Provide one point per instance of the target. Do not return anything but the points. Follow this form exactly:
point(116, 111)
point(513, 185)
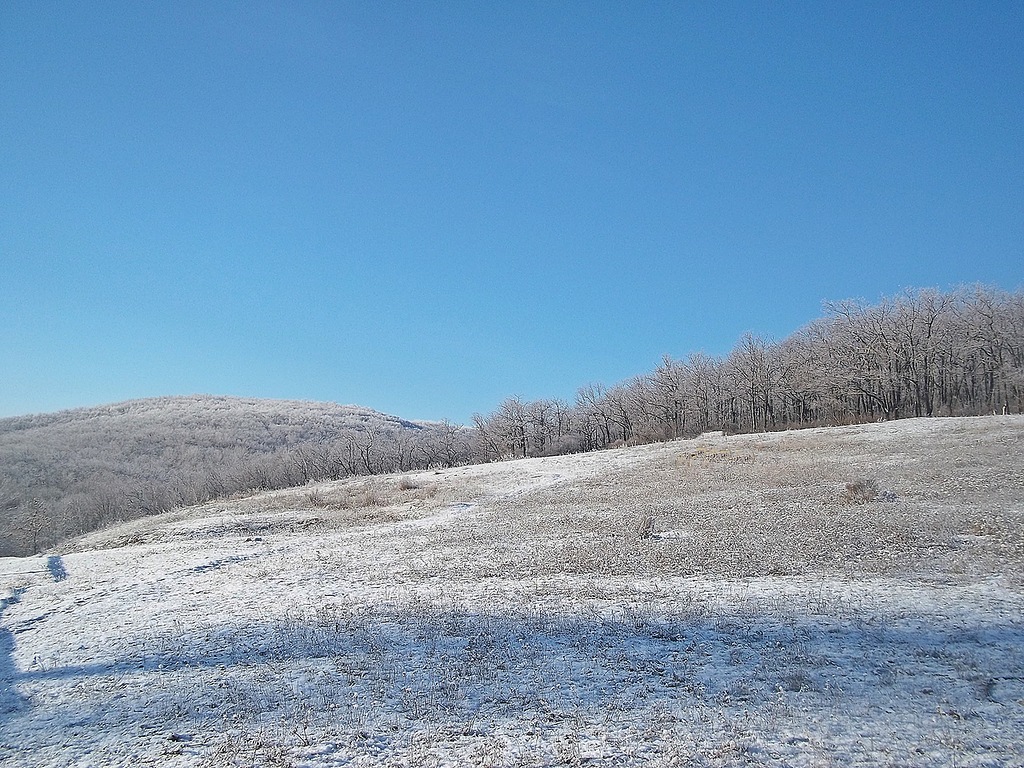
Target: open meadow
point(851, 596)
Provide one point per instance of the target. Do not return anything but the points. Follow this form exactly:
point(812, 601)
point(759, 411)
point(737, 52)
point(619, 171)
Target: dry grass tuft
point(369, 497)
point(425, 492)
point(717, 455)
point(316, 499)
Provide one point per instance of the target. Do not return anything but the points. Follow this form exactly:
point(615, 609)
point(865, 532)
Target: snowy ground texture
point(724, 601)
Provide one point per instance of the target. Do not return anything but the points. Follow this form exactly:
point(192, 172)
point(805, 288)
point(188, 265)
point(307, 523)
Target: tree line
point(922, 353)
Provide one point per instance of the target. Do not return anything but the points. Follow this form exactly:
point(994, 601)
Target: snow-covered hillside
point(852, 596)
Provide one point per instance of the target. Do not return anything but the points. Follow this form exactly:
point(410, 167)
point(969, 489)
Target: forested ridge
point(921, 353)
point(69, 472)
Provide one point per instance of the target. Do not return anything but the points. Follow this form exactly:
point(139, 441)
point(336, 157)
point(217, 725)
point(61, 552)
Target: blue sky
point(426, 207)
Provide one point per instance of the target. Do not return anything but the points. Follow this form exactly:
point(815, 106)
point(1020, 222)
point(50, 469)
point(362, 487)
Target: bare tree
point(753, 367)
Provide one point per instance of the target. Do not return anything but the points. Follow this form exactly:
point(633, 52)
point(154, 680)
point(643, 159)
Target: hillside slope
point(849, 596)
point(72, 471)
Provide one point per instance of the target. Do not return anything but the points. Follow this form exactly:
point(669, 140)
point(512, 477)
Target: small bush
point(861, 491)
point(796, 681)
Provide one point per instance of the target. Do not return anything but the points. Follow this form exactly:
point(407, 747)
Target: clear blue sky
point(426, 207)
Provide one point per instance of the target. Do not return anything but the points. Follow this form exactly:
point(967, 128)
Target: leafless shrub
point(861, 491)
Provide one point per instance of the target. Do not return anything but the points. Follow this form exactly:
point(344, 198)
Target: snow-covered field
point(713, 602)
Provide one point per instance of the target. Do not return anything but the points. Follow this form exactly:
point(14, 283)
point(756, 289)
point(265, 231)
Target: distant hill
point(72, 471)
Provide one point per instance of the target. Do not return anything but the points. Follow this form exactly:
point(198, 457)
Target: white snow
point(508, 615)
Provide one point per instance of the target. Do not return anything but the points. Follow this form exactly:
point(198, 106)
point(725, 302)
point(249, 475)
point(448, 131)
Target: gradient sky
point(426, 207)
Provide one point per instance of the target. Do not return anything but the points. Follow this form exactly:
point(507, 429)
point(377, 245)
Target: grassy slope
point(513, 614)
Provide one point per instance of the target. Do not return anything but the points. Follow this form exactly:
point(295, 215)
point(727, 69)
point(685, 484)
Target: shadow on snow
point(436, 665)
point(55, 567)
point(10, 701)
